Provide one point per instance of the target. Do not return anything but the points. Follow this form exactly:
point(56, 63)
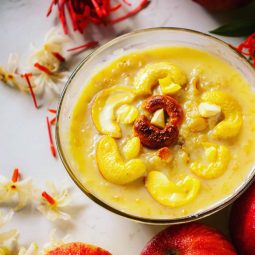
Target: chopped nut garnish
point(165, 154)
point(158, 118)
point(208, 110)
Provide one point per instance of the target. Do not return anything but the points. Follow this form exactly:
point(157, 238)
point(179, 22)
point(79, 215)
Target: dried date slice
point(153, 137)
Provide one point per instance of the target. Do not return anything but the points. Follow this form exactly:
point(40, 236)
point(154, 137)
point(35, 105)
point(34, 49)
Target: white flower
point(7, 237)
point(31, 250)
point(46, 62)
point(53, 202)
point(55, 241)
point(10, 76)
point(4, 218)
point(15, 191)
point(54, 81)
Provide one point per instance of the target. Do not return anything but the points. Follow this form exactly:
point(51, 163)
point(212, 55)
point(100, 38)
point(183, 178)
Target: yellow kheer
point(164, 133)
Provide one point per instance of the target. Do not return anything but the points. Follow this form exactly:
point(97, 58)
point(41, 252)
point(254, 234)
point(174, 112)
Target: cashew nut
point(132, 148)
point(113, 167)
point(148, 77)
point(219, 157)
point(104, 106)
point(232, 122)
point(169, 193)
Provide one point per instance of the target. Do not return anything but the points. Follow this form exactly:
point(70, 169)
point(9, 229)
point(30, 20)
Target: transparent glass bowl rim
point(201, 214)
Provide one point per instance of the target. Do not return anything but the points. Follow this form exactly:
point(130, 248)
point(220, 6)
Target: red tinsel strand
point(141, 5)
point(83, 12)
point(247, 48)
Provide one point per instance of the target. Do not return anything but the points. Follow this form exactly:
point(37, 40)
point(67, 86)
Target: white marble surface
point(23, 133)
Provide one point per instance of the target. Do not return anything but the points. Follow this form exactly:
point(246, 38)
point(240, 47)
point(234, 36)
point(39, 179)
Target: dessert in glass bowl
point(158, 125)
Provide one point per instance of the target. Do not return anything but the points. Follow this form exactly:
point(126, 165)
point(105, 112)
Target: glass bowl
point(142, 39)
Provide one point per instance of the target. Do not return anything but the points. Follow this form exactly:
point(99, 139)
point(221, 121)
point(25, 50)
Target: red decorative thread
point(142, 5)
point(42, 68)
point(27, 76)
point(127, 2)
point(52, 147)
point(83, 12)
point(58, 56)
point(48, 198)
point(247, 48)
point(84, 46)
point(52, 110)
point(15, 175)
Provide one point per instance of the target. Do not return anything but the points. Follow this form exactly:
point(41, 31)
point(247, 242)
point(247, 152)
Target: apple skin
point(189, 239)
point(222, 5)
point(242, 222)
point(77, 248)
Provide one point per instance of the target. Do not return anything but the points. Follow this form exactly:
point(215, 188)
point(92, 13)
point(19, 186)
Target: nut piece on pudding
point(158, 119)
point(148, 77)
point(104, 106)
point(153, 137)
point(165, 154)
point(127, 114)
point(132, 148)
point(113, 167)
point(218, 156)
point(168, 86)
point(207, 110)
point(231, 124)
point(169, 193)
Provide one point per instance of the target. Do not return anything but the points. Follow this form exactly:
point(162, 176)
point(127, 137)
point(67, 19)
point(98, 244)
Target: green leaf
point(241, 27)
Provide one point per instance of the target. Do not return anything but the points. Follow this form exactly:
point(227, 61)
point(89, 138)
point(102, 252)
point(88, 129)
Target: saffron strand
point(58, 56)
point(84, 46)
point(127, 2)
point(142, 5)
point(42, 68)
point(247, 48)
point(48, 198)
point(52, 147)
point(15, 175)
point(98, 12)
point(52, 110)
point(26, 76)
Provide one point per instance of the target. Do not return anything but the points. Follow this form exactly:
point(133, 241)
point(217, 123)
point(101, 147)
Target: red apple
point(222, 5)
point(242, 222)
point(189, 239)
point(77, 249)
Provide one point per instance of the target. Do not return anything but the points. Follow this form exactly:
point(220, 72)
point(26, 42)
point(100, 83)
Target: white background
point(23, 133)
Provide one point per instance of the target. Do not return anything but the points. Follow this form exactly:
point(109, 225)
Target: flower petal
point(13, 62)
point(5, 218)
point(31, 250)
point(8, 235)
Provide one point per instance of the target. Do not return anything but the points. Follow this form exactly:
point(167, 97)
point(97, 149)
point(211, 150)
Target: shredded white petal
point(54, 77)
point(62, 200)
point(13, 62)
point(31, 250)
point(5, 189)
point(55, 35)
point(9, 76)
point(9, 235)
point(55, 241)
point(19, 192)
point(4, 218)
point(24, 188)
point(48, 56)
